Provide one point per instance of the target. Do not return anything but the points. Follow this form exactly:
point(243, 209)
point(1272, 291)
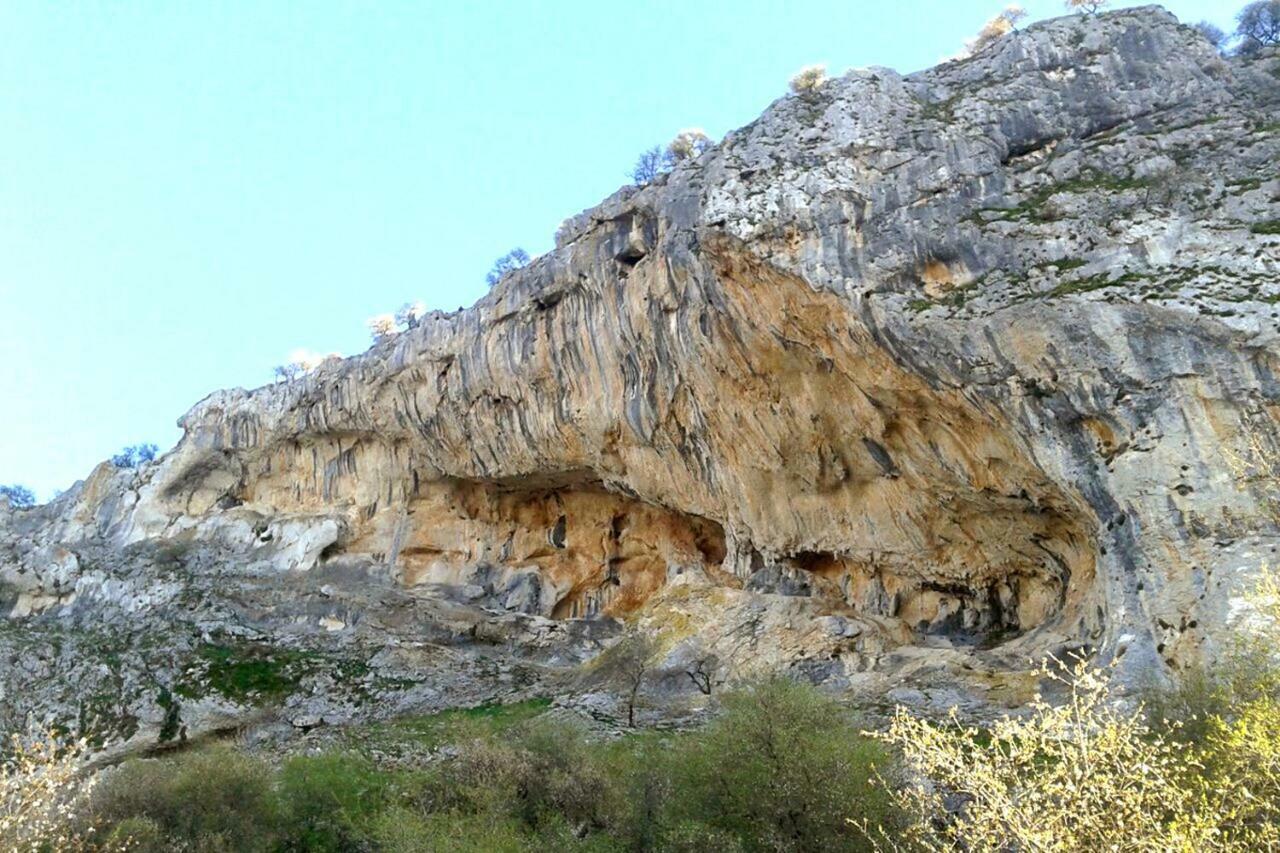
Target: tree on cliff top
point(134, 455)
point(511, 261)
point(18, 496)
point(999, 26)
point(1090, 7)
point(1258, 26)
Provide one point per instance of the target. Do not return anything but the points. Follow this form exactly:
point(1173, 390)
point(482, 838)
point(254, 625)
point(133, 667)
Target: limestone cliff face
point(975, 360)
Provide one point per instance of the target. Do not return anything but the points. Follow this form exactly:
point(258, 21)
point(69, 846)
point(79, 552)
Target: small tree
point(994, 29)
point(19, 497)
point(410, 315)
point(702, 672)
point(808, 79)
point(1089, 7)
point(134, 455)
point(629, 661)
point(1258, 26)
point(381, 327)
point(1212, 34)
point(302, 361)
point(649, 166)
point(687, 144)
point(513, 260)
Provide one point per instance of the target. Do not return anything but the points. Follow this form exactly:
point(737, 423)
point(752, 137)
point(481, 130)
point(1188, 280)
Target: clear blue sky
point(190, 191)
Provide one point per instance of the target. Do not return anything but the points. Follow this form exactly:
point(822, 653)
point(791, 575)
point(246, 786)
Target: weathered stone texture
point(969, 360)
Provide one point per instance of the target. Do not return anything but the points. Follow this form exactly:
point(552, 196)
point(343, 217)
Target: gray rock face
point(982, 359)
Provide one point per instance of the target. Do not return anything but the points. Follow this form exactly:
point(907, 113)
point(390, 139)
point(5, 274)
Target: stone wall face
point(981, 358)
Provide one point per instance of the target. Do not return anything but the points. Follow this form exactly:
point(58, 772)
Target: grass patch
point(1089, 181)
point(1096, 282)
point(430, 731)
point(1271, 226)
point(246, 671)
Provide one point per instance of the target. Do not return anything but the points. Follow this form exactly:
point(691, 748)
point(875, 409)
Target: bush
point(134, 455)
point(410, 315)
point(511, 261)
point(216, 798)
point(994, 29)
point(1211, 33)
point(18, 496)
point(42, 792)
point(137, 835)
point(328, 802)
point(541, 770)
point(687, 144)
point(808, 79)
point(649, 166)
point(381, 327)
point(402, 830)
point(782, 769)
point(1068, 776)
point(1089, 7)
point(1258, 26)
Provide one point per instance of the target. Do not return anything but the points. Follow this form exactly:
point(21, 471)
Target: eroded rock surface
point(908, 383)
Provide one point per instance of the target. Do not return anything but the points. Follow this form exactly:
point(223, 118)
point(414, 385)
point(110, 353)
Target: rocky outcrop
point(916, 377)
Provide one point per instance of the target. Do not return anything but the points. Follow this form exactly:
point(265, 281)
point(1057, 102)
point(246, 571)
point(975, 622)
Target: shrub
point(18, 496)
point(782, 769)
point(544, 768)
point(328, 802)
point(410, 315)
point(1089, 7)
point(301, 362)
point(1084, 775)
point(137, 835)
point(134, 455)
point(687, 144)
point(402, 830)
point(216, 797)
point(649, 166)
point(42, 790)
point(999, 26)
point(1258, 26)
point(1211, 33)
point(381, 327)
point(511, 261)
point(808, 79)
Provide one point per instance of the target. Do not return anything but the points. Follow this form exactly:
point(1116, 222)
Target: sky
point(189, 192)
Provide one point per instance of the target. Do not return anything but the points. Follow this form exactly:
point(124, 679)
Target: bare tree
point(19, 497)
point(134, 455)
point(410, 314)
point(1212, 34)
point(630, 661)
point(649, 166)
point(702, 672)
point(1258, 26)
point(1090, 7)
point(509, 262)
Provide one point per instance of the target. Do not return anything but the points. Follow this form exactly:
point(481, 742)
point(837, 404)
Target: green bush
point(404, 830)
point(783, 769)
point(327, 802)
point(215, 798)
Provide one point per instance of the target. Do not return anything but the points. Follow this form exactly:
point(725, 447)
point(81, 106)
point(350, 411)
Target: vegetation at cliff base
point(782, 768)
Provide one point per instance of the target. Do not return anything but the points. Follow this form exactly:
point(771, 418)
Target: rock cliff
point(911, 382)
